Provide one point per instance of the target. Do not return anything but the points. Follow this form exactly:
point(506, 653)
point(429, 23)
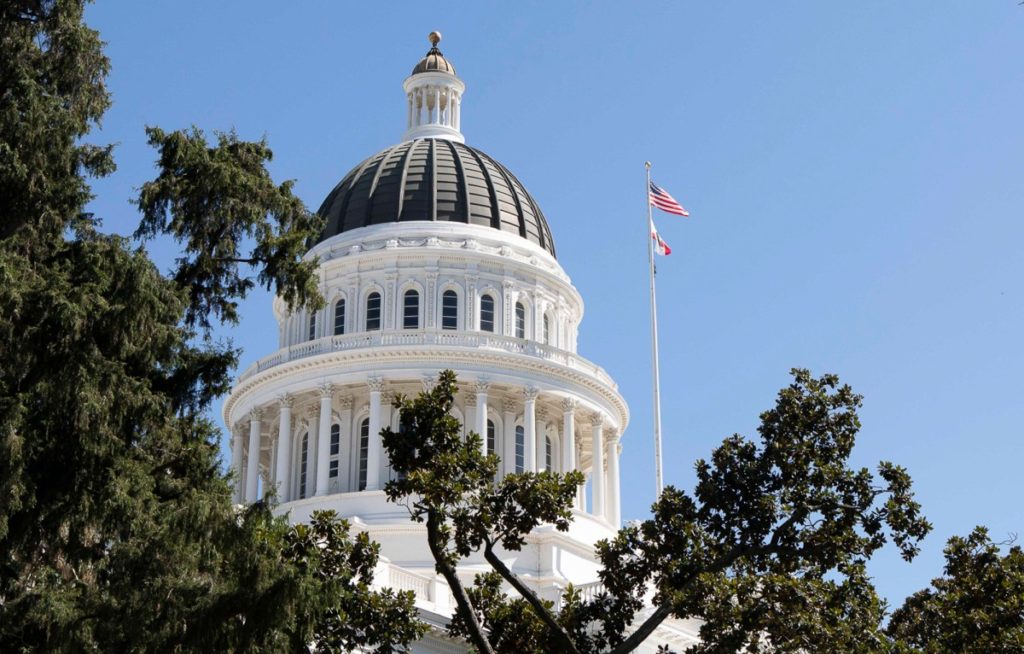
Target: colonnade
point(434, 105)
point(322, 446)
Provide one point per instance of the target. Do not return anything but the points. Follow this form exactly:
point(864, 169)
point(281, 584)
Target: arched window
point(520, 320)
point(364, 451)
point(335, 450)
point(490, 437)
point(303, 465)
point(373, 311)
point(339, 317)
point(486, 313)
point(411, 310)
point(547, 330)
point(312, 325)
point(547, 453)
point(520, 449)
point(450, 310)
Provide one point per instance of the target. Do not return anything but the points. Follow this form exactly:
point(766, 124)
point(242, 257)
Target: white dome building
point(434, 256)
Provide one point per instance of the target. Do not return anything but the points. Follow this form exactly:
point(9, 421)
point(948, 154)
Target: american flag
point(662, 200)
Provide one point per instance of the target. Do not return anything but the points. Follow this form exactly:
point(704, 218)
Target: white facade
point(404, 301)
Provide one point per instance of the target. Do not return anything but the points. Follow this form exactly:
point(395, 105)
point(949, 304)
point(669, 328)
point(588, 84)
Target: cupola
point(434, 96)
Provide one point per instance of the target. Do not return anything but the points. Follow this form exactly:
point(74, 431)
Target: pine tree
point(117, 531)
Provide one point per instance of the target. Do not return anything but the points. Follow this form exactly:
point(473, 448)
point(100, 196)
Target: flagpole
point(654, 338)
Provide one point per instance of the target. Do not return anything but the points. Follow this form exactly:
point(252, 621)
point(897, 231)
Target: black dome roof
point(434, 179)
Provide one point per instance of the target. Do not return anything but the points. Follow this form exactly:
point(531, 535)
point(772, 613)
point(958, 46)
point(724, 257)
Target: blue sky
point(853, 171)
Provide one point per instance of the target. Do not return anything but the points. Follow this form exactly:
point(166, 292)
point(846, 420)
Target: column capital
point(597, 419)
point(569, 404)
point(375, 383)
point(429, 382)
point(255, 414)
point(345, 402)
point(612, 436)
point(286, 400)
point(530, 393)
point(470, 400)
point(482, 385)
point(326, 390)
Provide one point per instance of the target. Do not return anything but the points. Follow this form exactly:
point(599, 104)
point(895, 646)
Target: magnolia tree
point(769, 550)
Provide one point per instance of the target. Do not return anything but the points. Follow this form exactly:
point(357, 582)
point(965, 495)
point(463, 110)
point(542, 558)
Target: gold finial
point(647, 165)
point(434, 38)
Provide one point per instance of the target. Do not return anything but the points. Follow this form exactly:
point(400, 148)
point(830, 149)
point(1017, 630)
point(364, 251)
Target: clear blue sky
point(854, 173)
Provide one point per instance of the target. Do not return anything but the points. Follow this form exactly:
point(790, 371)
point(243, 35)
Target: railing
point(400, 579)
point(588, 592)
point(425, 337)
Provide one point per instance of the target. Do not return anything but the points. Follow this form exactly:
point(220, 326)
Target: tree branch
point(476, 631)
point(541, 611)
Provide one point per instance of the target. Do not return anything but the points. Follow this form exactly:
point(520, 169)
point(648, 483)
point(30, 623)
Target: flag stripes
point(662, 200)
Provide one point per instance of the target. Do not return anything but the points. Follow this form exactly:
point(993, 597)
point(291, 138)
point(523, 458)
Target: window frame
point(520, 450)
point(493, 311)
point(379, 309)
point(334, 462)
point(414, 315)
point(445, 295)
point(339, 303)
point(362, 468)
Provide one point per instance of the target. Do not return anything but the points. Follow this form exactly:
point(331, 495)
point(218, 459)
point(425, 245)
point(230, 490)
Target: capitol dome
point(434, 256)
point(434, 179)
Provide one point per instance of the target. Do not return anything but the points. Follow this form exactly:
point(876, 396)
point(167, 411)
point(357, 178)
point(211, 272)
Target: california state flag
point(660, 246)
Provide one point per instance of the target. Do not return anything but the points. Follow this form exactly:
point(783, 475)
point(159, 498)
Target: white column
point(437, 104)
point(284, 449)
point(481, 412)
point(613, 478)
point(313, 422)
point(373, 455)
point(345, 438)
point(509, 420)
point(238, 463)
point(581, 497)
point(252, 476)
point(408, 120)
point(530, 429)
point(597, 464)
point(569, 434)
point(458, 111)
point(542, 441)
point(469, 419)
point(323, 441)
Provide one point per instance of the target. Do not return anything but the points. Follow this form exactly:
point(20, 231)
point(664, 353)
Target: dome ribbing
point(434, 180)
